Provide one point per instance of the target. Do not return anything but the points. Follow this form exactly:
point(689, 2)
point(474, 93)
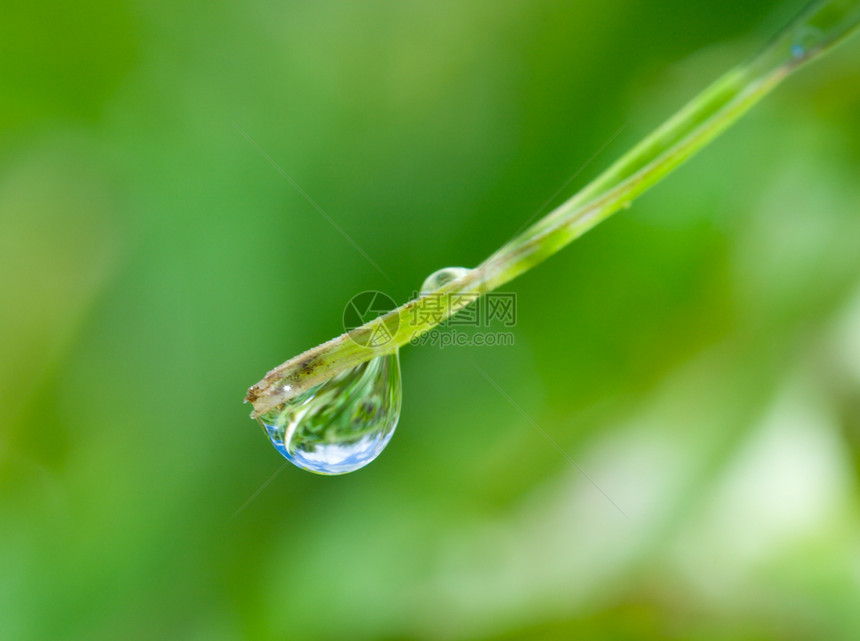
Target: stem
point(818, 27)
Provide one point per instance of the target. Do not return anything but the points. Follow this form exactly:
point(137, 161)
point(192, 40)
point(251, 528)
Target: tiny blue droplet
point(442, 277)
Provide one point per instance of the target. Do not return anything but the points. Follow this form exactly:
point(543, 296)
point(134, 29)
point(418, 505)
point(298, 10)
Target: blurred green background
point(698, 356)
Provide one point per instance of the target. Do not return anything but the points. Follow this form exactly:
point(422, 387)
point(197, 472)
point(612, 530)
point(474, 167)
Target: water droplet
point(806, 39)
point(442, 277)
point(343, 424)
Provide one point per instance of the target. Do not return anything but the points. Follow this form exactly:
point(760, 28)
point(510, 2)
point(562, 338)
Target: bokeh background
point(697, 356)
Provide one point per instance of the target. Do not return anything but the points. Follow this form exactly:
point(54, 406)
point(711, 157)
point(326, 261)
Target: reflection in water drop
point(342, 424)
point(442, 277)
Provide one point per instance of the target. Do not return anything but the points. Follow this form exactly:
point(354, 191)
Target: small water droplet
point(807, 38)
point(442, 277)
point(342, 424)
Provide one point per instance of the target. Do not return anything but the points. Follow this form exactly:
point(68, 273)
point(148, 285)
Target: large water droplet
point(442, 277)
point(342, 424)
